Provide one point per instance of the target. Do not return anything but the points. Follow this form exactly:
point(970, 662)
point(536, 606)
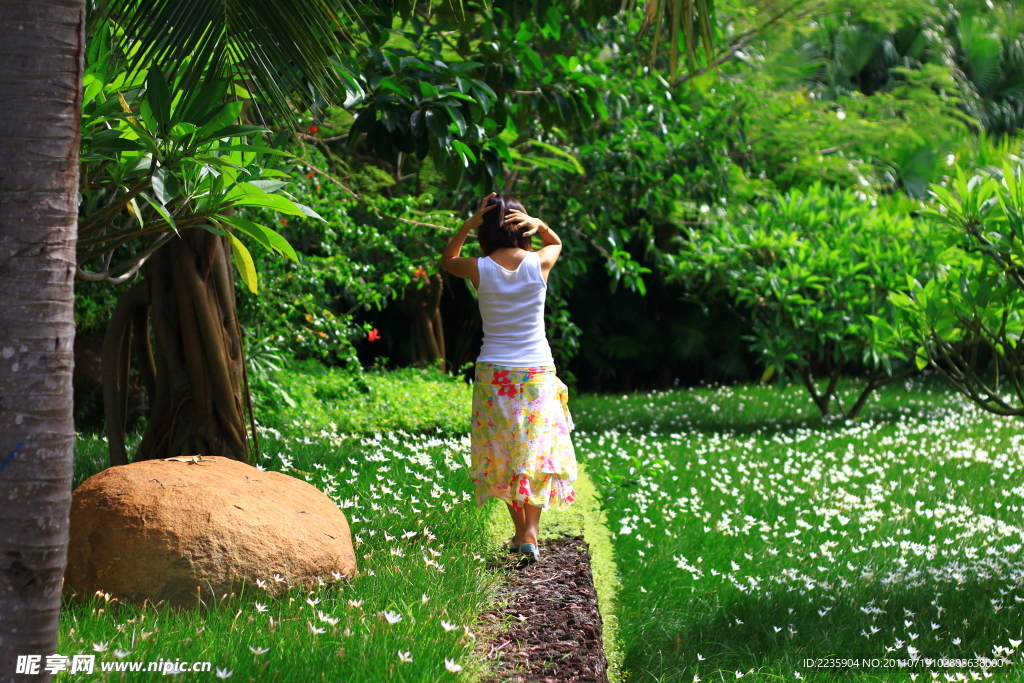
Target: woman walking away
point(521, 450)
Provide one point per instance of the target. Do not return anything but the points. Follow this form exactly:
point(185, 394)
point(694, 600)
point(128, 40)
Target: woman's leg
point(531, 524)
point(519, 520)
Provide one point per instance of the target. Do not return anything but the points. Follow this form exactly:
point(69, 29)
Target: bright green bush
point(815, 272)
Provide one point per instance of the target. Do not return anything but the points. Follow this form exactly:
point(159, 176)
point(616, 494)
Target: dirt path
point(554, 630)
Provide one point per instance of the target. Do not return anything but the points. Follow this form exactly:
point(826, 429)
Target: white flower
point(425, 599)
point(355, 603)
point(392, 617)
point(314, 629)
point(1016, 643)
point(311, 602)
point(259, 650)
point(326, 619)
point(405, 656)
point(261, 608)
point(224, 673)
point(100, 647)
point(841, 115)
point(447, 626)
point(452, 666)
point(121, 654)
point(701, 657)
point(278, 578)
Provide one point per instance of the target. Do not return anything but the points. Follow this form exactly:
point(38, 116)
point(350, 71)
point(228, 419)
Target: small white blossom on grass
point(278, 578)
point(261, 607)
point(355, 603)
point(405, 656)
point(448, 626)
point(100, 647)
point(326, 619)
point(392, 617)
point(259, 650)
point(426, 598)
point(452, 666)
point(224, 673)
point(314, 629)
point(121, 654)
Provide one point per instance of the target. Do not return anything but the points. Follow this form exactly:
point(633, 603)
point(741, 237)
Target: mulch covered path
point(553, 631)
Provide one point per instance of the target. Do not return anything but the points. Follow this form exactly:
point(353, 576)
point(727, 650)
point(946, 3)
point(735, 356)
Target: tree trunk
point(41, 52)
point(196, 378)
point(424, 306)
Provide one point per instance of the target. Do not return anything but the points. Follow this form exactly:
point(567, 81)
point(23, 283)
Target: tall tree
point(41, 50)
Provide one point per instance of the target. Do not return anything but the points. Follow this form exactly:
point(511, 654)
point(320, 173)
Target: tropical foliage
point(967, 315)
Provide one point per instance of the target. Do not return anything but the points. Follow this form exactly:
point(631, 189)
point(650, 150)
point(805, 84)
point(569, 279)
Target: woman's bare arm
point(462, 266)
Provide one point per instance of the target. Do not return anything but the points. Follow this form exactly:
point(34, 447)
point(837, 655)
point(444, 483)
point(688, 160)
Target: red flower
point(313, 130)
point(311, 174)
point(374, 335)
point(283, 221)
point(420, 272)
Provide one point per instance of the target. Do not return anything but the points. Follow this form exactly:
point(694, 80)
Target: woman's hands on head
point(522, 221)
point(477, 218)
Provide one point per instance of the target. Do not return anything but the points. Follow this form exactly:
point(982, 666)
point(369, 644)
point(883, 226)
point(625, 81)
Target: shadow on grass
point(671, 630)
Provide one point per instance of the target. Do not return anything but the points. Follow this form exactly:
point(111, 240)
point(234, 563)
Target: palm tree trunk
point(41, 49)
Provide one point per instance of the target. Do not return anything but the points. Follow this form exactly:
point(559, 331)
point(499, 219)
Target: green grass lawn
point(752, 535)
point(420, 542)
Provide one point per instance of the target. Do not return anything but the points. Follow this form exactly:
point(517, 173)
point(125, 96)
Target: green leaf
point(271, 240)
point(465, 151)
point(437, 123)
point(428, 89)
point(158, 93)
point(389, 83)
point(162, 211)
point(243, 262)
point(561, 152)
point(460, 122)
point(227, 132)
point(226, 115)
point(246, 194)
point(165, 185)
point(306, 211)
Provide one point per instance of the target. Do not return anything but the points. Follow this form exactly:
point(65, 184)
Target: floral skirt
point(521, 449)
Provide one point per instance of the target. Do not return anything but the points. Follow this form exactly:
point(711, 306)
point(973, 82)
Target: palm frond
point(282, 48)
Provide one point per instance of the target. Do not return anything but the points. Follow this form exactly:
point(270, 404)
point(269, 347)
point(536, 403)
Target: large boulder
point(177, 530)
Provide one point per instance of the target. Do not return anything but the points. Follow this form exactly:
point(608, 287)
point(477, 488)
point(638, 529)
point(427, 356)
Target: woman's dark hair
point(494, 234)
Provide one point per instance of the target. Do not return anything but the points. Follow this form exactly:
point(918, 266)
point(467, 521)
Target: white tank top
point(512, 308)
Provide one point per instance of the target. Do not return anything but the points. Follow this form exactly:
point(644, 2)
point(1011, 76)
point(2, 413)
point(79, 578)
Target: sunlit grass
point(752, 534)
point(408, 616)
